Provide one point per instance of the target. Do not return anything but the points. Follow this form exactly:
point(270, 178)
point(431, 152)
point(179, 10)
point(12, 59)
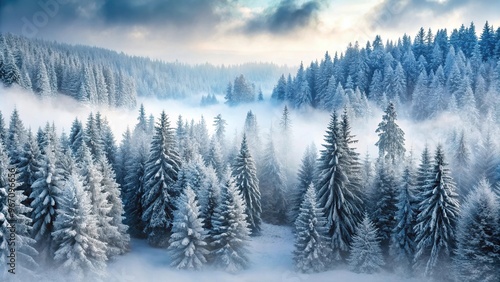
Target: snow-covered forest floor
point(270, 257)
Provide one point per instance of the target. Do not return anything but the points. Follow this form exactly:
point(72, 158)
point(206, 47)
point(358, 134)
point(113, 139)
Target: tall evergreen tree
point(477, 255)
point(403, 237)
point(366, 255)
point(160, 176)
point(305, 177)
point(384, 202)
point(246, 181)
point(79, 252)
point(272, 185)
point(391, 137)
point(45, 196)
point(187, 242)
point(311, 251)
point(342, 207)
point(436, 221)
point(230, 231)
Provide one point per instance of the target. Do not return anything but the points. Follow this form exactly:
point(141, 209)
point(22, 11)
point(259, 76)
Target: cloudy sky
point(235, 31)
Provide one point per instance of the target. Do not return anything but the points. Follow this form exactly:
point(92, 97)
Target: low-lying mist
point(308, 125)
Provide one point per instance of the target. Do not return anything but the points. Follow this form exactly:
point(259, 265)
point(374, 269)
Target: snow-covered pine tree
point(45, 197)
point(245, 178)
point(133, 190)
point(30, 162)
point(230, 233)
point(100, 207)
point(118, 240)
point(366, 254)
point(209, 195)
point(16, 137)
point(79, 252)
point(311, 253)
point(462, 166)
point(159, 179)
point(342, 207)
point(76, 137)
point(220, 129)
point(477, 255)
point(187, 243)
point(272, 185)
point(402, 247)
point(391, 143)
point(215, 157)
point(384, 202)
point(436, 221)
point(305, 177)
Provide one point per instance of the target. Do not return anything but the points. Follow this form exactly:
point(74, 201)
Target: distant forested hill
point(100, 76)
point(432, 73)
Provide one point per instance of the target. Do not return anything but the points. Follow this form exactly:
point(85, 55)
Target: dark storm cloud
point(184, 15)
point(284, 18)
point(390, 13)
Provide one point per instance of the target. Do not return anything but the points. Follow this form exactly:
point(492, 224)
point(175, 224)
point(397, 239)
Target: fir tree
point(342, 207)
point(403, 237)
point(366, 255)
point(273, 188)
point(384, 201)
point(245, 178)
point(477, 255)
point(436, 221)
point(159, 178)
point(230, 231)
point(77, 248)
point(311, 243)
point(391, 137)
point(305, 177)
point(45, 195)
point(187, 242)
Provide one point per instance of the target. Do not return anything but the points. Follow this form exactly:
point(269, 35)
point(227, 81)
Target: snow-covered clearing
point(271, 258)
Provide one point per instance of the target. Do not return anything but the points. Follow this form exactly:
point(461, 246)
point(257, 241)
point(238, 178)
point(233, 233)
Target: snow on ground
point(271, 260)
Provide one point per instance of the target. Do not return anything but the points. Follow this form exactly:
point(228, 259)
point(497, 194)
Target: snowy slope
point(271, 258)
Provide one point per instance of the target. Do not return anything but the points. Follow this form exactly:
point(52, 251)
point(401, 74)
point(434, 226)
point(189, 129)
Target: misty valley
point(379, 163)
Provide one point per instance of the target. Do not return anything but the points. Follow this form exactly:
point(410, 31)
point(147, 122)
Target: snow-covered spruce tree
point(230, 232)
point(402, 247)
point(16, 137)
point(118, 240)
point(462, 166)
point(384, 202)
point(209, 197)
point(45, 198)
point(3, 131)
point(272, 187)
point(436, 221)
point(305, 177)
point(159, 180)
point(342, 206)
point(76, 136)
point(215, 157)
point(477, 254)
point(100, 207)
point(78, 251)
point(133, 190)
point(187, 247)
point(312, 250)
point(30, 161)
point(366, 255)
point(391, 143)
point(245, 179)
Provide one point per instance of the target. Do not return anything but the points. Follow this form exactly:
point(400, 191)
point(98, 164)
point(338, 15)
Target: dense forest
point(98, 76)
point(188, 187)
point(424, 77)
